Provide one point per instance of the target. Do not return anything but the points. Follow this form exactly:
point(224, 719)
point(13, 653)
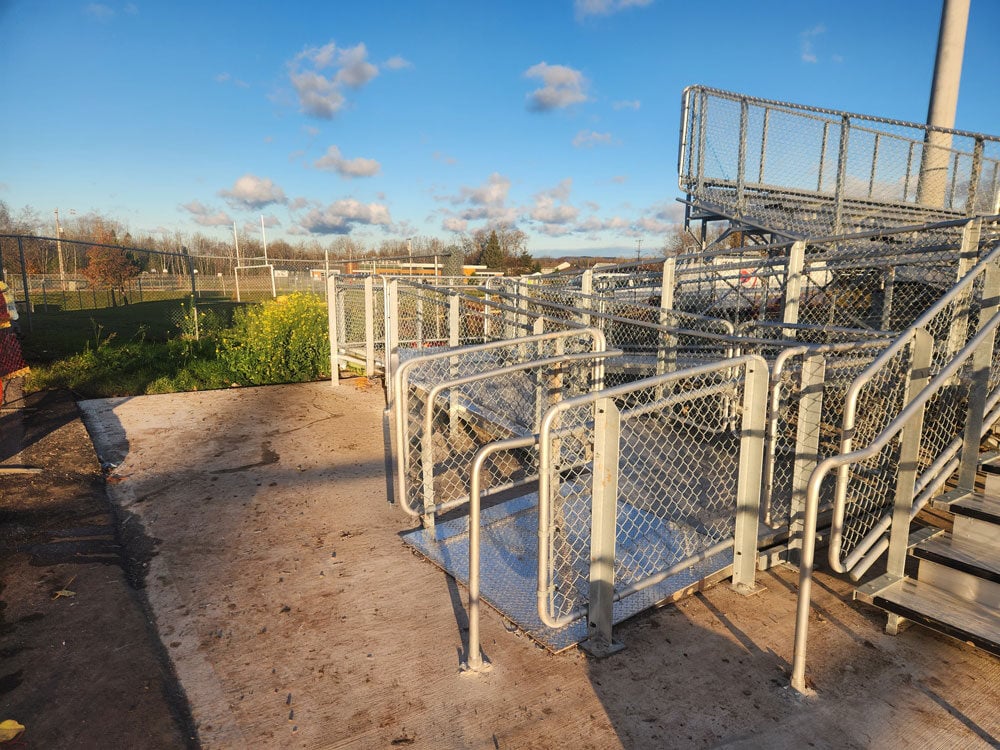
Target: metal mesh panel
point(789, 438)
point(869, 486)
point(455, 404)
point(813, 172)
point(678, 466)
point(738, 285)
point(350, 311)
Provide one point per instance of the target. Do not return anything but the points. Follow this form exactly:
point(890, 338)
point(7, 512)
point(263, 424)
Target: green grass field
point(58, 333)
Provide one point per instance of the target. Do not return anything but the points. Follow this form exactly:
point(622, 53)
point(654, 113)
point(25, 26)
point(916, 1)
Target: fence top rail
point(838, 114)
point(516, 367)
point(399, 373)
point(123, 248)
point(742, 361)
point(484, 301)
point(598, 298)
point(666, 328)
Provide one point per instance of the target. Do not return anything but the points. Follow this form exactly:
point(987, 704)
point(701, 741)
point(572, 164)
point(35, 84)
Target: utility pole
point(943, 102)
point(263, 238)
point(62, 268)
point(638, 250)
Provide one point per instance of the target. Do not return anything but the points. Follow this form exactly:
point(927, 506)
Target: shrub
point(284, 341)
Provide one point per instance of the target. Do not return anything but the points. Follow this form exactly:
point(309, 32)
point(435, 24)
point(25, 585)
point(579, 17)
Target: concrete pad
point(296, 617)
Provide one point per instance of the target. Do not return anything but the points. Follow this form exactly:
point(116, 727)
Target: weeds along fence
point(808, 171)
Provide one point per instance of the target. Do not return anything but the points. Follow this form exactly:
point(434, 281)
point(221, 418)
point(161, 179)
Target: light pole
point(62, 267)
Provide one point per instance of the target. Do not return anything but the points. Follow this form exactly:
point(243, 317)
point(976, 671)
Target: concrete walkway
point(295, 616)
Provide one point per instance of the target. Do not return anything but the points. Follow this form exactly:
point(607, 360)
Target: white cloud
point(318, 96)
point(332, 161)
point(563, 87)
point(586, 8)
point(253, 192)
point(590, 138)
point(493, 192)
point(207, 216)
point(454, 224)
point(100, 11)
point(320, 93)
point(341, 216)
point(443, 157)
point(619, 179)
point(633, 104)
point(486, 202)
point(397, 62)
point(228, 78)
point(355, 70)
point(806, 43)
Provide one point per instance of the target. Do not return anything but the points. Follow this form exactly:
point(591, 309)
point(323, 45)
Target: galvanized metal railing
point(638, 455)
point(446, 404)
point(807, 389)
point(881, 391)
point(835, 171)
point(972, 371)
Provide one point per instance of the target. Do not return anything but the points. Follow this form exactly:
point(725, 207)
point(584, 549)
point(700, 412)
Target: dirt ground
point(288, 612)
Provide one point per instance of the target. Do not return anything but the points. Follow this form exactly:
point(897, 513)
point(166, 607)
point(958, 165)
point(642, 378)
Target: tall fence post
point(369, 326)
point(587, 290)
point(841, 186)
point(907, 463)
point(810, 414)
point(191, 273)
point(750, 474)
point(332, 318)
point(24, 284)
point(607, 435)
point(793, 286)
point(968, 255)
point(391, 326)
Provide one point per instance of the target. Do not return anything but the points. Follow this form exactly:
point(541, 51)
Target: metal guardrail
point(971, 368)
point(880, 392)
point(447, 404)
point(637, 456)
point(835, 171)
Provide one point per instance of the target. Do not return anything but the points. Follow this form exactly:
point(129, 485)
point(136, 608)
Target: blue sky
point(385, 120)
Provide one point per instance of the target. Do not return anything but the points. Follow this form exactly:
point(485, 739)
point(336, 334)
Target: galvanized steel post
point(604, 511)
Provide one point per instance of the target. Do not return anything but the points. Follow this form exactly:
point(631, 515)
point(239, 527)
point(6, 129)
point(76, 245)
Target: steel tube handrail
point(545, 461)
point(436, 391)
point(854, 393)
point(913, 408)
point(777, 369)
point(474, 656)
point(399, 390)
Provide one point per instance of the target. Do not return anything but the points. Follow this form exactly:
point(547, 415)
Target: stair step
point(990, 463)
point(974, 558)
point(977, 516)
point(981, 507)
point(934, 608)
point(989, 473)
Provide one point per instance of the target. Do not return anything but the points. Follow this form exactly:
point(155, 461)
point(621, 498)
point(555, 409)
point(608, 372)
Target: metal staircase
point(955, 589)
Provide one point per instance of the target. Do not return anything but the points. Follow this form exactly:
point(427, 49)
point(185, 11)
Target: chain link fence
point(880, 393)
point(449, 404)
point(677, 460)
